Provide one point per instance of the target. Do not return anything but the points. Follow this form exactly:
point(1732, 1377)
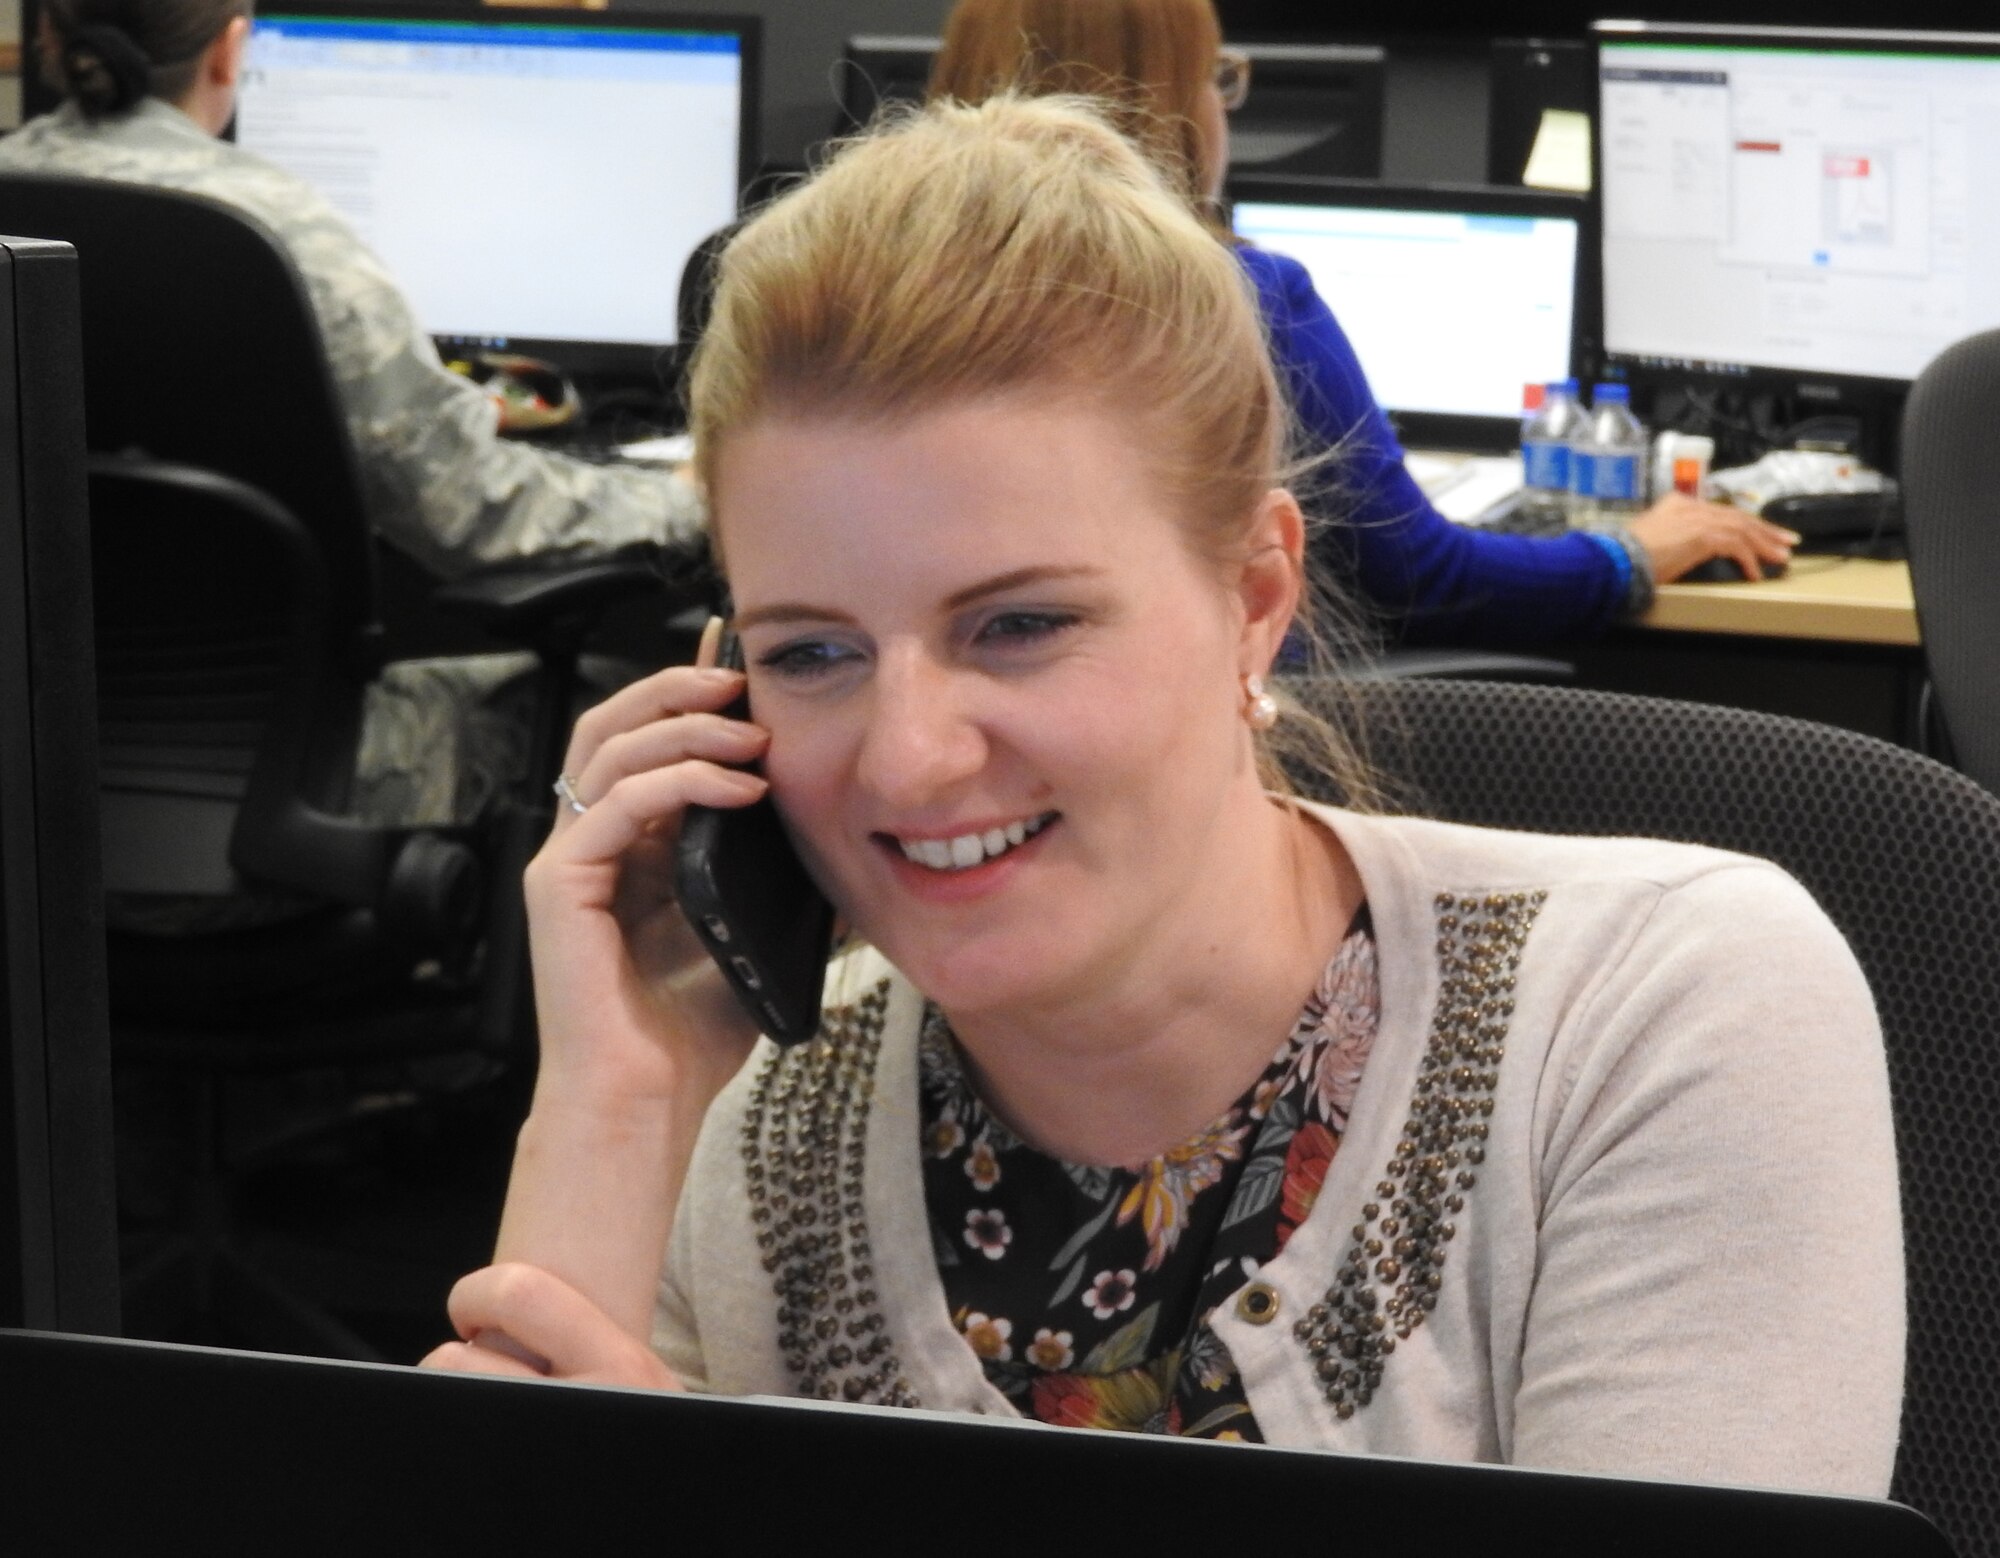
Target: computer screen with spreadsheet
point(1453, 298)
point(532, 179)
point(1811, 202)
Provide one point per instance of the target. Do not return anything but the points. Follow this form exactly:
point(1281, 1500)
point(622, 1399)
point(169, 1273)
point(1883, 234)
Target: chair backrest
point(231, 536)
point(201, 348)
point(1904, 856)
point(226, 726)
point(1951, 511)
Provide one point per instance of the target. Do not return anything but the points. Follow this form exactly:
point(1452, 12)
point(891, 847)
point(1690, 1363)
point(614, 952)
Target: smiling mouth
point(972, 849)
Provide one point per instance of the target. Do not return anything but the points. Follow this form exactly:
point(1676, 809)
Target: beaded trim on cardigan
point(804, 1146)
point(1388, 1284)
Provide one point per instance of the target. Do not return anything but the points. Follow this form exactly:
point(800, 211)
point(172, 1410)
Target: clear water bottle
point(1545, 459)
point(1608, 463)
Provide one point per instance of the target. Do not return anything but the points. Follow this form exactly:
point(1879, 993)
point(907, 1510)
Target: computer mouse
point(1726, 570)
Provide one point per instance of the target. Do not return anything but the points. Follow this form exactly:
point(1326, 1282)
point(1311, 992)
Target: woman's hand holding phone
point(630, 1005)
point(639, 1031)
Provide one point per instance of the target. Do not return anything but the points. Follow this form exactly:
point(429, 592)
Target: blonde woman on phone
point(1148, 1096)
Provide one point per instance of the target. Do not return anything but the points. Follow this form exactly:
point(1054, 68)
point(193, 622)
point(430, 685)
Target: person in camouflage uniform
point(149, 86)
point(442, 485)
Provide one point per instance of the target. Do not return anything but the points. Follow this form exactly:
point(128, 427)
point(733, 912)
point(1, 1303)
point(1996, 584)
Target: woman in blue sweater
point(1162, 65)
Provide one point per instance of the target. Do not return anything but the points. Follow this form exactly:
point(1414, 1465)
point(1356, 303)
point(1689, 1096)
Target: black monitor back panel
point(877, 69)
point(1530, 77)
point(37, 95)
point(58, 1229)
point(1314, 109)
point(225, 1453)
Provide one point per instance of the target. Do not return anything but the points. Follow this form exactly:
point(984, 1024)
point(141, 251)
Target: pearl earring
point(1261, 709)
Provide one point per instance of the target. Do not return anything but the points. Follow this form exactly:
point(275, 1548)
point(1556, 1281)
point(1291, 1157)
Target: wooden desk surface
point(1850, 600)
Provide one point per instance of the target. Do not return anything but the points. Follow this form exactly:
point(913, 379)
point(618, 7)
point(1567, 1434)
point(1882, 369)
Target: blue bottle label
point(1545, 465)
point(1582, 473)
point(1615, 478)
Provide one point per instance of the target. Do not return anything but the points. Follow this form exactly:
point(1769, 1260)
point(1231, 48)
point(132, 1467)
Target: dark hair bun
point(104, 70)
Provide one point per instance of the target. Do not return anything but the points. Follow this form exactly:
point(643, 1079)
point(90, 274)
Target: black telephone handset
point(748, 897)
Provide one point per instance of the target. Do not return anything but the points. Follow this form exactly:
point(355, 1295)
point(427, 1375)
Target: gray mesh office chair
point(1903, 854)
point(1951, 510)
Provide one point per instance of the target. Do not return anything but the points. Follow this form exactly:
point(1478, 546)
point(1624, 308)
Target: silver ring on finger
point(565, 788)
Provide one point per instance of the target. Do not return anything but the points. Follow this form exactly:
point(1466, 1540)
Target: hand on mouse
point(1680, 532)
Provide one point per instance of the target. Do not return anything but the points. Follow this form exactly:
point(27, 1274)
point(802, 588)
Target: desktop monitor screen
point(1806, 202)
point(532, 179)
point(1452, 298)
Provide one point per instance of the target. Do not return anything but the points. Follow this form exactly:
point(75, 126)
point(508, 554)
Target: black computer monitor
point(1813, 211)
point(1453, 296)
point(1530, 77)
point(38, 96)
point(1313, 109)
point(879, 68)
point(58, 1221)
point(191, 1449)
point(534, 180)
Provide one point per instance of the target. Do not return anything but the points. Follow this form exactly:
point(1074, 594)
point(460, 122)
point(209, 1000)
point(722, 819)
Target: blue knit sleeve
point(1437, 582)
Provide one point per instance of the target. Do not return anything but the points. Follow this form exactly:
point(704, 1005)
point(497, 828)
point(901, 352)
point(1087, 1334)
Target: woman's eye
point(1014, 627)
point(805, 658)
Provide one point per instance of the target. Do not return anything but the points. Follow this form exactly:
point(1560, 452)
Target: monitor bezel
point(1301, 69)
point(1433, 429)
point(58, 1211)
point(861, 50)
point(1282, 60)
point(645, 361)
point(1808, 388)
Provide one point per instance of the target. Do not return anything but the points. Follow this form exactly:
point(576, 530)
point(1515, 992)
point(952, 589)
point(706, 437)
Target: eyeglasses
point(1232, 77)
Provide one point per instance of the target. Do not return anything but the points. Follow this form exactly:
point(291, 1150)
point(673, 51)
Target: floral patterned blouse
point(1086, 1291)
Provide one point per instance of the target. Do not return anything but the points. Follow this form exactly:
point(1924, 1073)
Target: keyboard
point(1472, 489)
point(621, 444)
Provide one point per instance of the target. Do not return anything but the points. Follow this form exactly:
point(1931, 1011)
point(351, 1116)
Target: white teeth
point(971, 849)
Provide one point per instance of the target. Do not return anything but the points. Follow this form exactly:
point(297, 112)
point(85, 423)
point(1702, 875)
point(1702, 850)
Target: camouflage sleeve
point(446, 488)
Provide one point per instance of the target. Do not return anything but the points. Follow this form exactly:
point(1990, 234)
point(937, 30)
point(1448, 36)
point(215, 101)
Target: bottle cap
point(1615, 393)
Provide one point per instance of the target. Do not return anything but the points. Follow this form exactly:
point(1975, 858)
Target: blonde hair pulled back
point(965, 252)
point(1021, 245)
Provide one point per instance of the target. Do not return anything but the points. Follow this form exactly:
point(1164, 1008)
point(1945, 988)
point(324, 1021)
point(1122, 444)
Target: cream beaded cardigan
point(1618, 1193)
